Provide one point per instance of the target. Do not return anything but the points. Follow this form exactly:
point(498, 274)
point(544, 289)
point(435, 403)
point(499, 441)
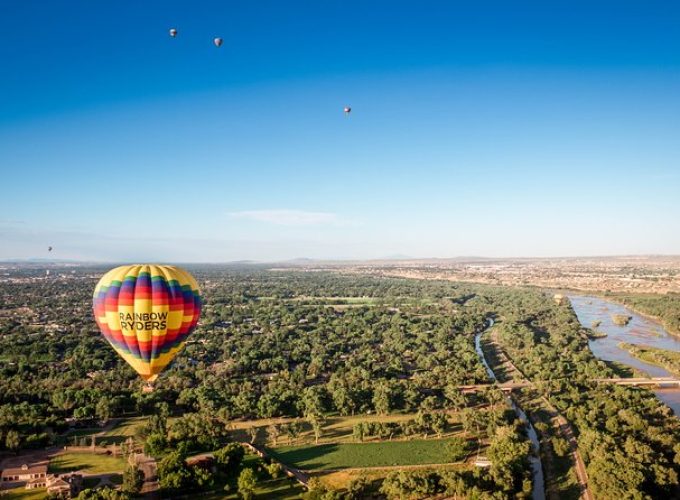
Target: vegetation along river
point(538, 488)
point(639, 330)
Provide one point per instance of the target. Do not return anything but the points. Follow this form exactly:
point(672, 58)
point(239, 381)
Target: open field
point(87, 462)
point(338, 429)
point(639, 274)
point(123, 430)
point(359, 455)
point(22, 493)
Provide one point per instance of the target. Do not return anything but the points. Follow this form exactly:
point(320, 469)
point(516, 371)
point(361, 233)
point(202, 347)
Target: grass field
point(23, 494)
point(338, 429)
point(123, 430)
point(88, 462)
point(670, 360)
point(356, 455)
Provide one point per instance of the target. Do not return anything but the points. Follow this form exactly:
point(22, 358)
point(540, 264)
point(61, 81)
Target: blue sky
point(478, 128)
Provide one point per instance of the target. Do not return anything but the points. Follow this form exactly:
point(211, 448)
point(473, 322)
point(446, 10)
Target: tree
point(293, 430)
point(358, 432)
point(275, 470)
point(273, 432)
point(155, 444)
point(382, 397)
point(133, 479)
point(455, 398)
point(439, 423)
point(203, 478)
point(230, 457)
point(312, 401)
point(316, 421)
point(253, 432)
point(359, 488)
point(508, 454)
point(173, 472)
point(105, 493)
point(246, 484)
point(560, 446)
point(457, 449)
point(103, 409)
point(12, 440)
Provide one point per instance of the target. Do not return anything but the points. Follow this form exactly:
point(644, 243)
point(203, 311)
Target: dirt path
point(391, 467)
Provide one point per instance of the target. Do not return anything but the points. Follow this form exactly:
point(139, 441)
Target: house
point(64, 486)
point(24, 474)
point(36, 483)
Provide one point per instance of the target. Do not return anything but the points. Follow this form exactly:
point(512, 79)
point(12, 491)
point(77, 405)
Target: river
point(639, 330)
point(538, 487)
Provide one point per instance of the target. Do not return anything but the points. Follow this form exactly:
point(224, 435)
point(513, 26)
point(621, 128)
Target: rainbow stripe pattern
point(146, 312)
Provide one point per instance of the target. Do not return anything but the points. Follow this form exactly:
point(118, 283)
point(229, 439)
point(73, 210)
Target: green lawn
point(123, 430)
point(89, 462)
point(342, 456)
point(24, 494)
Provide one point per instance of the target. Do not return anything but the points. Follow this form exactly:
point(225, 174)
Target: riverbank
point(619, 299)
point(656, 319)
point(641, 331)
point(669, 360)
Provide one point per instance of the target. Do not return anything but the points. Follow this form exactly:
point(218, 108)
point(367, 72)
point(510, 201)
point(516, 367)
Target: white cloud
point(285, 217)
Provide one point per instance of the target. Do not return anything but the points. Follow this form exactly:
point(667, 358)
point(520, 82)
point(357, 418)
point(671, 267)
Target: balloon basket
point(148, 387)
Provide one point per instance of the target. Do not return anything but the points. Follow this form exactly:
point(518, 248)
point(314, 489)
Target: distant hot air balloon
point(146, 312)
point(347, 110)
point(173, 32)
point(218, 42)
point(49, 249)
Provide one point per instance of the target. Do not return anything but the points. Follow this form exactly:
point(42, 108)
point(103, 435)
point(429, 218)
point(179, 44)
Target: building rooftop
point(25, 469)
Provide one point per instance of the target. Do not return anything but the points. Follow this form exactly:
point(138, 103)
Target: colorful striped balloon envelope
point(146, 312)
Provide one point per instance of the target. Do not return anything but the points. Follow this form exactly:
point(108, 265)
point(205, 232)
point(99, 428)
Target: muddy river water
point(639, 330)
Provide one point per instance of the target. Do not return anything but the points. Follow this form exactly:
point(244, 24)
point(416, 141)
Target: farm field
point(87, 462)
point(358, 455)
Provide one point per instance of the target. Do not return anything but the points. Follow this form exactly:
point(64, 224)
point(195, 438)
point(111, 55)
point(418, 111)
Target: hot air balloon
point(49, 249)
point(347, 110)
point(218, 42)
point(173, 32)
point(146, 312)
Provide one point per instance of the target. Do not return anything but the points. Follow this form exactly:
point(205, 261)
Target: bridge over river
point(662, 382)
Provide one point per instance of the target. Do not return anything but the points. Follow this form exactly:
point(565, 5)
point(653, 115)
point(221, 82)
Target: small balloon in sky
point(218, 42)
point(347, 110)
point(173, 32)
point(49, 249)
